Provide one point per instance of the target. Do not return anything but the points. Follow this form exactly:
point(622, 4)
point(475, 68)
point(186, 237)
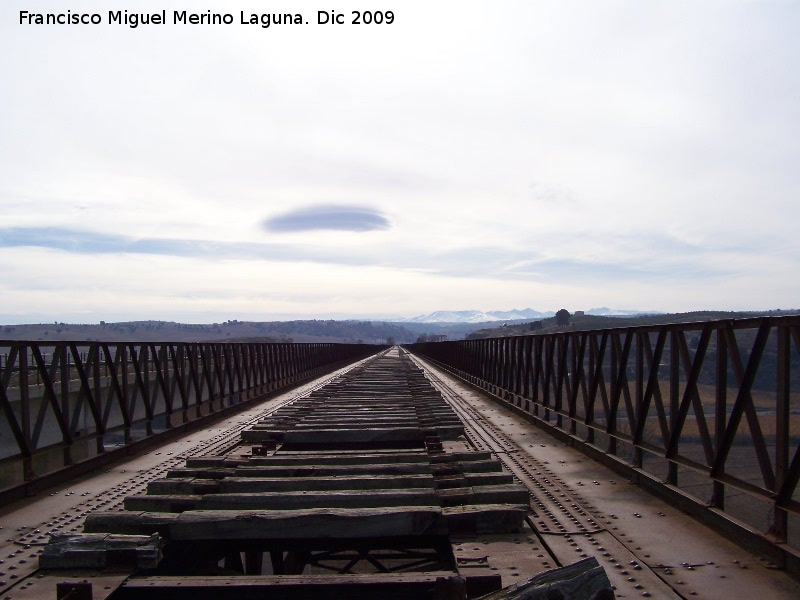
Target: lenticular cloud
point(337, 218)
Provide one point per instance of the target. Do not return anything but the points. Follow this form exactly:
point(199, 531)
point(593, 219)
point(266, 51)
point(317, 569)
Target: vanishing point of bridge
point(657, 461)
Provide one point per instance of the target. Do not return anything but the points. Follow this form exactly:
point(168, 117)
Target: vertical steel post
point(674, 397)
point(144, 355)
point(780, 523)
point(592, 389)
point(638, 455)
point(25, 409)
point(614, 398)
point(561, 373)
point(122, 353)
point(576, 384)
point(94, 353)
point(64, 382)
point(720, 411)
point(63, 379)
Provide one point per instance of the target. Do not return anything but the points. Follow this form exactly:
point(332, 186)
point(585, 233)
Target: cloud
point(87, 242)
point(331, 217)
point(639, 258)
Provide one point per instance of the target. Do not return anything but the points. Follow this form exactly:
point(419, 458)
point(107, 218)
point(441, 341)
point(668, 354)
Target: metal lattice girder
point(650, 387)
point(54, 396)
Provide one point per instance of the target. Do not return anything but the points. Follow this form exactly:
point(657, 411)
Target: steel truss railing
point(64, 402)
point(714, 403)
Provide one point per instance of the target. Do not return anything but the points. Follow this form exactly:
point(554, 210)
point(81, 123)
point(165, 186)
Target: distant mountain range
point(616, 312)
point(478, 316)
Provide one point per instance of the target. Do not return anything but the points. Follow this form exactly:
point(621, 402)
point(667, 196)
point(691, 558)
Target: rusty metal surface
point(384, 419)
point(70, 406)
point(464, 483)
point(649, 548)
point(43, 585)
point(710, 408)
point(578, 508)
point(25, 525)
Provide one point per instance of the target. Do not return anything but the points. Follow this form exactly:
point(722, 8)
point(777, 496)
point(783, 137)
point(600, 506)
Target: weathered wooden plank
point(330, 470)
point(423, 586)
point(317, 499)
point(163, 503)
point(184, 485)
point(351, 423)
point(279, 524)
point(362, 410)
point(472, 479)
point(461, 457)
point(344, 413)
point(436, 585)
point(308, 523)
point(354, 424)
point(473, 466)
point(129, 523)
point(347, 459)
point(377, 434)
point(213, 461)
point(99, 550)
point(205, 473)
point(345, 452)
point(198, 581)
point(353, 482)
point(336, 436)
point(487, 494)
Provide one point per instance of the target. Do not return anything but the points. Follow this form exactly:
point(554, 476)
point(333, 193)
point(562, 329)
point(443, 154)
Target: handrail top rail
point(9, 343)
point(741, 323)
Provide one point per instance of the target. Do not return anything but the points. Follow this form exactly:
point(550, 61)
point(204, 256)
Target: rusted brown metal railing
point(63, 403)
point(709, 411)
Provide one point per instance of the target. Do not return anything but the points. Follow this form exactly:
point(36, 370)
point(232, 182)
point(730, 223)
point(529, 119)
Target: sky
point(489, 155)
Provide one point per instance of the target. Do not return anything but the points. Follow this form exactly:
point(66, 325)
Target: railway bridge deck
point(388, 476)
